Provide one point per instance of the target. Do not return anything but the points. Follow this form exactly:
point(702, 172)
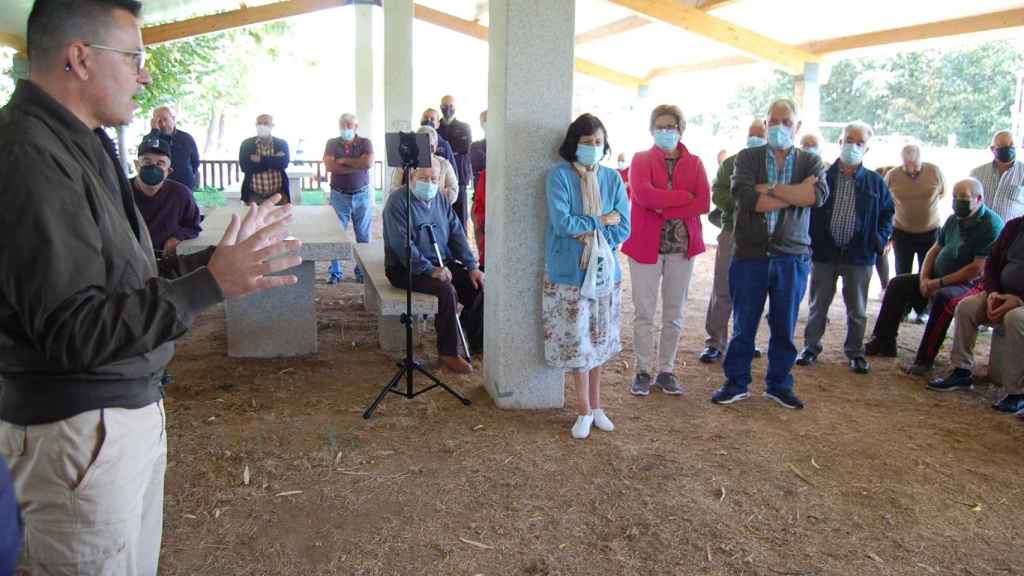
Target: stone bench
point(999, 356)
point(388, 301)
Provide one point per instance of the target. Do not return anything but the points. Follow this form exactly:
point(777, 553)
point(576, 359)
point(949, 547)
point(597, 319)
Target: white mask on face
point(263, 130)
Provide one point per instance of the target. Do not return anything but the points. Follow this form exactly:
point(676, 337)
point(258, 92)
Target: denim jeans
point(782, 280)
point(358, 208)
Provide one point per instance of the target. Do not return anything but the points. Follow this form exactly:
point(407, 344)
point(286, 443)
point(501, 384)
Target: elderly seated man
point(454, 279)
point(1001, 301)
point(950, 274)
point(167, 206)
point(449, 184)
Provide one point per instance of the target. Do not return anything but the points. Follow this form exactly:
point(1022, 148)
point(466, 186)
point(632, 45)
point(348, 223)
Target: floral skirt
point(579, 333)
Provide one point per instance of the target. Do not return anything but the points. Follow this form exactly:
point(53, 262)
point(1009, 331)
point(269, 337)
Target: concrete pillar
point(398, 71)
point(369, 89)
point(531, 61)
point(808, 96)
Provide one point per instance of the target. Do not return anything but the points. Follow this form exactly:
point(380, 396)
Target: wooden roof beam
point(470, 28)
point(626, 24)
point(12, 41)
point(246, 16)
point(693, 20)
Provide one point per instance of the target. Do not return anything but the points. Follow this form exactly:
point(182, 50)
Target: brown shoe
point(456, 364)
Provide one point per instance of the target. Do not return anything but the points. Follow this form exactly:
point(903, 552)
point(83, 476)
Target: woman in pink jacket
point(670, 191)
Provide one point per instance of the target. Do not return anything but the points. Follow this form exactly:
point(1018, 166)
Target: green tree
point(204, 77)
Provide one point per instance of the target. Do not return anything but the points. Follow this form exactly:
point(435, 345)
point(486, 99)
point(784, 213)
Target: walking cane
point(458, 323)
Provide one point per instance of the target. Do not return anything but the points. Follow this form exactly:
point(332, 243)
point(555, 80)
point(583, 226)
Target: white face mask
point(263, 131)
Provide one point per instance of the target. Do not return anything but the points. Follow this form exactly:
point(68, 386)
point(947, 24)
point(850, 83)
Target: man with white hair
point(849, 232)
point(949, 274)
point(917, 189)
point(449, 183)
point(775, 187)
point(1003, 178)
point(720, 304)
point(454, 279)
point(811, 142)
point(349, 158)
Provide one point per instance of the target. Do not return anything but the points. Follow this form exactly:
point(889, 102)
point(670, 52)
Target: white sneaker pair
point(581, 429)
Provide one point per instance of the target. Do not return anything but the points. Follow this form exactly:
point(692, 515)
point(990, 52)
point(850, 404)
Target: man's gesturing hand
point(244, 265)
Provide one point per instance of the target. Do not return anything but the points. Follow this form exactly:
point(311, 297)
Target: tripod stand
point(409, 364)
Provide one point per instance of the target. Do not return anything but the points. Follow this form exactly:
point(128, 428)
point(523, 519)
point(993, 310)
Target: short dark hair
point(52, 24)
point(585, 125)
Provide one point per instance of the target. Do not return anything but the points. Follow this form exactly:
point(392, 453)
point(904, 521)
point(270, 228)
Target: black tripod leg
point(380, 397)
point(456, 393)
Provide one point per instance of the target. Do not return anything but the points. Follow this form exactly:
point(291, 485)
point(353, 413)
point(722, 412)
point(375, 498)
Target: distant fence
point(223, 173)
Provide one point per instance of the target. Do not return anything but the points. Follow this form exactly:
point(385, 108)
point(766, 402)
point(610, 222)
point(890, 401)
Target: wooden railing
point(223, 173)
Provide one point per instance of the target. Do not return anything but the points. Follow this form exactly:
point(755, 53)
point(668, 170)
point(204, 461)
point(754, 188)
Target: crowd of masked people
point(95, 292)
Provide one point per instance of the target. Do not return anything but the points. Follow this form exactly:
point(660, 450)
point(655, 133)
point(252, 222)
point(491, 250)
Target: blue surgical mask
point(755, 141)
point(348, 134)
point(588, 154)
point(851, 154)
point(425, 190)
point(780, 137)
point(813, 150)
point(666, 139)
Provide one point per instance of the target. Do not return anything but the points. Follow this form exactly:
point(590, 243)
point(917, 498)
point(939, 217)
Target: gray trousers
point(856, 280)
point(972, 312)
point(720, 304)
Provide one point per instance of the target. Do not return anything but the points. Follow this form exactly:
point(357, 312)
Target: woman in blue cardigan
point(584, 199)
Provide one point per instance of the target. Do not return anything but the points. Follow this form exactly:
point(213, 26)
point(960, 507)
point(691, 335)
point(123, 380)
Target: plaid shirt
point(1004, 193)
point(269, 182)
point(777, 176)
point(844, 217)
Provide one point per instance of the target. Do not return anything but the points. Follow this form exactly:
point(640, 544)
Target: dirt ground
point(876, 476)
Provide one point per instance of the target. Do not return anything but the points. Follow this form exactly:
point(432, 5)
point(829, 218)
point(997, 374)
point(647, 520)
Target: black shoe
point(860, 365)
point(729, 393)
point(757, 353)
point(1011, 403)
point(785, 398)
point(918, 369)
point(876, 347)
point(958, 379)
point(710, 355)
point(806, 358)
point(166, 380)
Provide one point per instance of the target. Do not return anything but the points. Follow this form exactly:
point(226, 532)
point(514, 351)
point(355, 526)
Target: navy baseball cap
point(155, 144)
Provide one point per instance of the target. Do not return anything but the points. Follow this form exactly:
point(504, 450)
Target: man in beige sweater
point(917, 188)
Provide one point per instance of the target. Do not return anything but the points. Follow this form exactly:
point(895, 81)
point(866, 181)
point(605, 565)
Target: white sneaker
point(601, 420)
point(581, 429)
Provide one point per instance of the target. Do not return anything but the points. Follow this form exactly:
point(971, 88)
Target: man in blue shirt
point(454, 280)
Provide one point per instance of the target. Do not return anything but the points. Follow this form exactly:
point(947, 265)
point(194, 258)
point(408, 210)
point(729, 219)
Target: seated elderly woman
point(449, 183)
point(454, 279)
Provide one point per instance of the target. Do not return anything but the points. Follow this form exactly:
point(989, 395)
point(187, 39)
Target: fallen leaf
point(875, 557)
point(190, 517)
point(478, 427)
point(975, 508)
point(289, 493)
point(245, 476)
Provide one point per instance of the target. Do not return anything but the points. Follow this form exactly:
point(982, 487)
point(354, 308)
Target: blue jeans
point(357, 208)
point(783, 281)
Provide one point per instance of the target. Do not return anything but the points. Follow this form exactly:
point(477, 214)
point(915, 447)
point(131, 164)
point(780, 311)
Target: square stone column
point(529, 109)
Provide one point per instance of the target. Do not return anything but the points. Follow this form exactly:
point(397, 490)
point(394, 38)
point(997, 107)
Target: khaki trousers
point(90, 488)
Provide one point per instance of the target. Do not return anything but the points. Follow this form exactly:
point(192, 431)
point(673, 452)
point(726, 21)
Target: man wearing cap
point(167, 206)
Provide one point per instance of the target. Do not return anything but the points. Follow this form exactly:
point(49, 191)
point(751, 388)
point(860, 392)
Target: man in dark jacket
point(86, 325)
point(774, 186)
point(460, 136)
point(184, 152)
point(264, 160)
point(848, 233)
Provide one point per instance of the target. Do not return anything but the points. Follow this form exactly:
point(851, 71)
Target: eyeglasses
point(138, 56)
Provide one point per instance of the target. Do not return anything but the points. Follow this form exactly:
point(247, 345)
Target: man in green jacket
point(87, 321)
point(720, 304)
